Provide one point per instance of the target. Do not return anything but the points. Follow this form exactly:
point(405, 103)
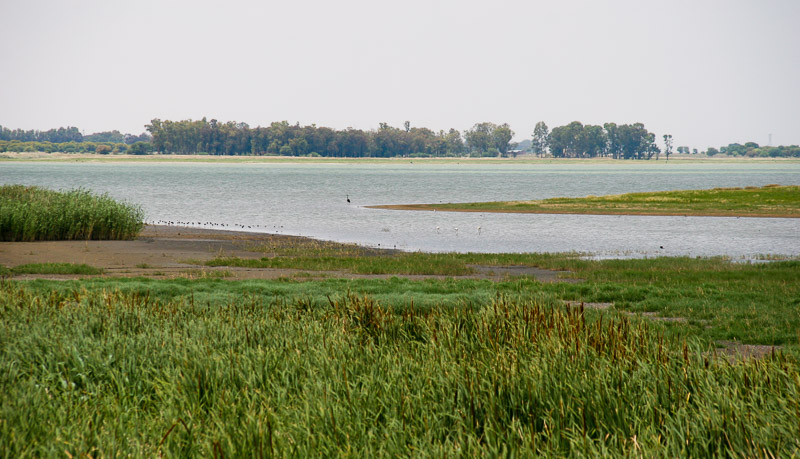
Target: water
point(310, 200)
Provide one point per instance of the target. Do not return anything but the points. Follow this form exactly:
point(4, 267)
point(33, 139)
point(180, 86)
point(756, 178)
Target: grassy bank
point(38, 214)
point(182, 368)
point(715, 299)
point(767, 201)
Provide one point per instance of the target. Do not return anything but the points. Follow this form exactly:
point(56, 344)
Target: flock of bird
point(276, 228)
point(213, 224)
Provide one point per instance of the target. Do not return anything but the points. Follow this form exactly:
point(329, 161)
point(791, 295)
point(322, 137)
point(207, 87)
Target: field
point(767, 201)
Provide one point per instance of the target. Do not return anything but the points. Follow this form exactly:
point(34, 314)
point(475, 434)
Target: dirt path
point(170, 252)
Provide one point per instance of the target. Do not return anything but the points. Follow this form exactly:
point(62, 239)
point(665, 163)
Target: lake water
point(309, 199)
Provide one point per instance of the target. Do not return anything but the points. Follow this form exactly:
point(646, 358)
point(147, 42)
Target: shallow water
point(310, 200)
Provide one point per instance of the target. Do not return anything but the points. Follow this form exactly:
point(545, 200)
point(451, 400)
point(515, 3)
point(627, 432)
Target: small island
point(767, 201)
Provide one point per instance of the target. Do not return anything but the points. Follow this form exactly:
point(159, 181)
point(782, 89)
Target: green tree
point(541, 139)
point(591, 141)
point(564, 140)
point(479, 138)
point(140, 148)
point(501, 138)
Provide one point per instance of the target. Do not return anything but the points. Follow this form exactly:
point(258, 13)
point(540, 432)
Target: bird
point(437, 229)
point(348, 199)
point(479, 229)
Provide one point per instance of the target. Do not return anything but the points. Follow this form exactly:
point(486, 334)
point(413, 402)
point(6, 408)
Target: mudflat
point(172, 251)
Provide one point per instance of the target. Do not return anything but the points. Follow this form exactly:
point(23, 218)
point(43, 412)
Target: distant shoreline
point(523, 159)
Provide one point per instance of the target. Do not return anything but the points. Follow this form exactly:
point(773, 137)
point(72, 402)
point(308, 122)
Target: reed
point(37, 214)
point(105, 373)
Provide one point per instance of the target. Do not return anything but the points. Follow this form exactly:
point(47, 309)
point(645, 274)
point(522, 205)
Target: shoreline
point(168, 252)
point(240, 159)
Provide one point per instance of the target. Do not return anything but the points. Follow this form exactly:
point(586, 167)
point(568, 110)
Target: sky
point(708, 72)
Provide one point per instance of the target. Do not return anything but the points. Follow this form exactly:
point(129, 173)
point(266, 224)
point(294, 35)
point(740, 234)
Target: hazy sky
point(708, 72)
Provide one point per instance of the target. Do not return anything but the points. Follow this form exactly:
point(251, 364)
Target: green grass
point(55, 268)
point(37, 214)
point(767, 201)
point(396, 366)
point(408, 263)
point(719, 299)
point(203, 368)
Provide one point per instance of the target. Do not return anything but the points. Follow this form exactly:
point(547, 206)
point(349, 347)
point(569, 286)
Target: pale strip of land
point(522, 159)
point(771, 201)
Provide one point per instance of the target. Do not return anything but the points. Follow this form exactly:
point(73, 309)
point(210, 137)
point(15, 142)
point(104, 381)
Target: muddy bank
point(171, 251)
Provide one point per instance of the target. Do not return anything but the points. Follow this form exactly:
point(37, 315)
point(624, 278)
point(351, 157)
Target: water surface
point(309, 199)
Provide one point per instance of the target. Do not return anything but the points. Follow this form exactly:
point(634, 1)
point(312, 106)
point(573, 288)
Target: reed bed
point(37, 214)
point(111, 373)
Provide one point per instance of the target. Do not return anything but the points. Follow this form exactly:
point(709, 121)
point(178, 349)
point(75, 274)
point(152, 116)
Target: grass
point(767, 201)
point(397, 366)
point(313, 255)
point(407, 264)
point(146, 368)
point(55, 268)
point(719, 299)
point(37, 214)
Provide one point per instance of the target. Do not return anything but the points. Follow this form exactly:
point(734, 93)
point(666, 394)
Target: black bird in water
point(348, 199)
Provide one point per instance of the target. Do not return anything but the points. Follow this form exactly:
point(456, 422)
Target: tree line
point(70, 134)
point(573, 140)
point(284, 139)
point(753, 150)
point(576, 140)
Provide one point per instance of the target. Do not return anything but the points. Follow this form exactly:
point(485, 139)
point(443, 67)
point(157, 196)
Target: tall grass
point(107, 373)
point(38, 214)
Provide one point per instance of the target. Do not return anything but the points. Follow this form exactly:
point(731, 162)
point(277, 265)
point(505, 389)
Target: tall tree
point(667, 145)
point(501, 137)
point(541, 139)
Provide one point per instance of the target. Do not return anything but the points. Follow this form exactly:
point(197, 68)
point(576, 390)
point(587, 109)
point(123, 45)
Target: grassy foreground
point(387, 367)
point(767, 201)
point(38, 214)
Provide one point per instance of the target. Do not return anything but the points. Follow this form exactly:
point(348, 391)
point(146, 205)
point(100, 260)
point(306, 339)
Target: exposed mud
point(171, 252)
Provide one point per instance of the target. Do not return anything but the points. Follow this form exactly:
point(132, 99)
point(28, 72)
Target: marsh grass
point(767, 201)
point(402, 263)
point(721, 300)
point(106, 372)
point(38, 214)
point(56, 268)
